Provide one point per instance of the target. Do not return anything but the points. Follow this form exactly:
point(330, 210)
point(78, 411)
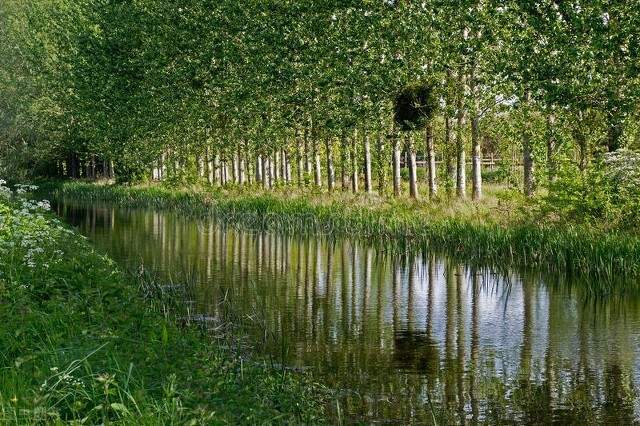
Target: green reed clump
point(569, 249)
point(84, 342)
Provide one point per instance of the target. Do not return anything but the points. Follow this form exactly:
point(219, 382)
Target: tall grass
point(602, 258)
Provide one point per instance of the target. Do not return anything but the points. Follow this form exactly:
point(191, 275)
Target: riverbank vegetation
point(82, 341)
point(500, 231)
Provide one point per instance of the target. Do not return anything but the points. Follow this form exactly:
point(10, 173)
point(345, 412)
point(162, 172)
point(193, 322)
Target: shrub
point(607, 195)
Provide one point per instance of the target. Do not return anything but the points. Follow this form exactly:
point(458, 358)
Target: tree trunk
point(299, 166)
point(367, 164)
point(272, 170)
point(240, 167)
point(317, 176)
point(263, 171)
point(207, 165)
point(381, 163)
point(307, 162)
point(92, 167)
point(354, 162)
point(413, 169)
point(330, 169)
point(269, 171)
point(396, 165)
point(214, 169)
point(288, 166)
point(461, 175)
point(275, 169)
point(583, 149)
point(283, 165)
point(551, 147)
point(431, 161)
point(258, 164)
point(614, 133)
point(248, 169)
point(476, 152)
point(527, 154)
point(343, 162)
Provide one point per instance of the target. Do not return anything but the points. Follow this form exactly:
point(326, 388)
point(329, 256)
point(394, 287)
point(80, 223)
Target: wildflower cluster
point(25, 233)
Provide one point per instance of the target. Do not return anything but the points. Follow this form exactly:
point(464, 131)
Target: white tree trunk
point(367, 164)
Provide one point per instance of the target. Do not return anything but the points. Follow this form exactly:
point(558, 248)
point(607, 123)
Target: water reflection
point(413, 336)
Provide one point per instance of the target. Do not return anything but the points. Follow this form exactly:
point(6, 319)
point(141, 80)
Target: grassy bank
point(493, 232)
point(83, 341)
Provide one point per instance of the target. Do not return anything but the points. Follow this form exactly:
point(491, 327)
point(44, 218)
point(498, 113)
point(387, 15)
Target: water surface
point(403, 337)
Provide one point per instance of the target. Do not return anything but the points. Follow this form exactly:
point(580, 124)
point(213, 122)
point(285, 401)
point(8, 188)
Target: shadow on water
point(400, 335)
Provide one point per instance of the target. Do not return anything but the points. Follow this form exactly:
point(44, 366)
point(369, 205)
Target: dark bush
point(415, 105)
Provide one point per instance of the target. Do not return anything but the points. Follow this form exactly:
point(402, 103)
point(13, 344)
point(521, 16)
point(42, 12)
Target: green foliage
point(498, 175)
point(84, 343)
point(607, 195)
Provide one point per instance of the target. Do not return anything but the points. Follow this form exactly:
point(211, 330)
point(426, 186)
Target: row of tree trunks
point(355, 158)
point(91, 168)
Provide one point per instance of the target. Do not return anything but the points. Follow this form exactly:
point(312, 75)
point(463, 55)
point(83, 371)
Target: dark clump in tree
point(415, 105)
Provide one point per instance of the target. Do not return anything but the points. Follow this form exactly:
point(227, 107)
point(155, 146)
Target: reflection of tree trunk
point(344, 285)
point(396, 295)
point(315, 284)
point(380, 261)
point(367, 290)
point(527, 331)
point(354, 283)
point(460, 341)
point(328, 306)
point(411, 294)
point(449, 369)
point(308, 286)
point(550, 354)
point(584, 374)
point(475, 345)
